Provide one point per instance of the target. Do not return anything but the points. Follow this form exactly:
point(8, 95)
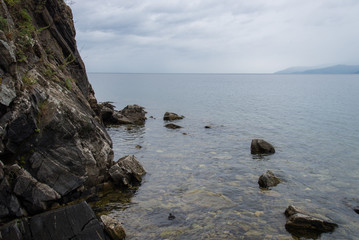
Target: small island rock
point(169, 116)
point(259, 146)
point(268, 180)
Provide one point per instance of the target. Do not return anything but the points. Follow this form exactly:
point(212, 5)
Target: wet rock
point(169, 116)
point(172, 126)
point(171, 216)
point(268, 180)
point(301, 224)
point(71, 222)
point(127, 171)
point(113, 227)
point(136, 114)
point(356, 210)
point(208, 126)
point(259, 146)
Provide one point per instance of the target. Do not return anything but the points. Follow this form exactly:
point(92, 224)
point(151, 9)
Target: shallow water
point(208, 178)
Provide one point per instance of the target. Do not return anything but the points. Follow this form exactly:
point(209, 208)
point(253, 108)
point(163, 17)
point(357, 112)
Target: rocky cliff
point(53, 145)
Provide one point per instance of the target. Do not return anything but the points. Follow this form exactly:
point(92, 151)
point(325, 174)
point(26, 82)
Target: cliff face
point(53, 145)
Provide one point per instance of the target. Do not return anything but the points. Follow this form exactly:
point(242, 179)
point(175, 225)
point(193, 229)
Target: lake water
point(207, 178)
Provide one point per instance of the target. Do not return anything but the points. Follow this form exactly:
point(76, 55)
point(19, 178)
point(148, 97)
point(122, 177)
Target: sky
point(212, 36)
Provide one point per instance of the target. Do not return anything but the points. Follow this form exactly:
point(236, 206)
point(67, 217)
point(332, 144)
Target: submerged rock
point(127, 171)
point(259, 146)
point(113, 227)
point(169, 116)
point(301, 224)
point(268, 180)
point(172, 126)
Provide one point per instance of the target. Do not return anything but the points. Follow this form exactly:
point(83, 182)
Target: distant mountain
point(336, 69)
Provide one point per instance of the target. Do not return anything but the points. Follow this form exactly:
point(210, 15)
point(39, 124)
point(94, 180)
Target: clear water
point(207, 178)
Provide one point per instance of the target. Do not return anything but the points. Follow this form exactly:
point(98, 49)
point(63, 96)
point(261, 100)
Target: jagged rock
point(131, 114)
point(259, 146)
point(268, 180)
point(172, 126)
point(9, 204)
point(169, 116)
point(113, 228)
point(127, 171)
point(301, 224)
point(71, 222)
point(35, 194)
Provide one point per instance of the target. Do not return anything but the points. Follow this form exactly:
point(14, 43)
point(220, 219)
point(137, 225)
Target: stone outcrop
point(131, 114)
point(301, 224)
point(268, 180)
point(53, 144)
point(259, 146)
point(127, 171)
point(113, 227)
point(169, 116)
point(72, 222)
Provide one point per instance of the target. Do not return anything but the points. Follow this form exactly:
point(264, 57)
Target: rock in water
point(113, 228)
point(131, 114)
point(259, 146)
point(127, 171)
point(169, 116)
point(301, 224)
point(172, 126)
point(268, 180)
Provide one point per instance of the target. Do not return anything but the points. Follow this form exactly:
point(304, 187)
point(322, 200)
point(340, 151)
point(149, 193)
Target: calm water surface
point(208, 178)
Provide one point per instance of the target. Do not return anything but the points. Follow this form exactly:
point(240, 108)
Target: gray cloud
point(215, 36)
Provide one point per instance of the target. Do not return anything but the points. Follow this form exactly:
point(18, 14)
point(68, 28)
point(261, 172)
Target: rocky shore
point(54, 147)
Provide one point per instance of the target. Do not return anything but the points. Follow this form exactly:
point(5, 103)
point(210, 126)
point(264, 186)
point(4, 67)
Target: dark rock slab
point(35, 195)
point(172, 126)
point(268, 180)
point(136, 114)
point(71, 222)
point(169, 116)
point(127, 171)
point(259, 146)
point(301, 224)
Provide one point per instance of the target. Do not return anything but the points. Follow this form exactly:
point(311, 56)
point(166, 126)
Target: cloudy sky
point(212, 36)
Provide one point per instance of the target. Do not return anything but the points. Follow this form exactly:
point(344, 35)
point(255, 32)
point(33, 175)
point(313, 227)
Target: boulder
point(301, 224)
point(72, 222)
point(127, 171)
point(259, 146)
point(172, 126)
point(268, 180)
point(169, 116)
point(113, 228)
point(356, 210)
point(136, 114)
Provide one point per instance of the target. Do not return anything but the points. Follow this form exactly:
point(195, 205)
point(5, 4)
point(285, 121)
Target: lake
point(207, 178)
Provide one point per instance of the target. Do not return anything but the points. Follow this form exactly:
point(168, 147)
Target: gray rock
point(135, 114)
point(71, 222)
point(268, 180)
point(113, 227)
point(172, 126)
point(127, 171)
point(259, 146)
point(169, 116)
point(7, 55)
point(1, 170)
point(9, 204)
point(301, 224)
point(35, 194)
